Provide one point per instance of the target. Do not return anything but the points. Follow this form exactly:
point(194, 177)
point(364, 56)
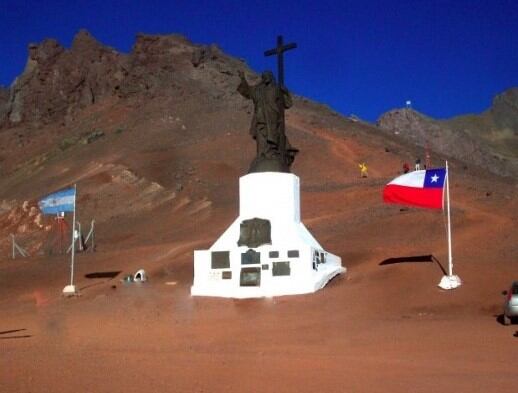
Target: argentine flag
point(59, 202)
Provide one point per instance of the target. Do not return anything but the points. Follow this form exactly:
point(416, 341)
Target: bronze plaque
point(281, 269)
point(254, 233)
point(250, 277)
point(250, 257)
point(220, 260)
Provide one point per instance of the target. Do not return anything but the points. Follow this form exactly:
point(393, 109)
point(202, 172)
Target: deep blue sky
point(361, 57)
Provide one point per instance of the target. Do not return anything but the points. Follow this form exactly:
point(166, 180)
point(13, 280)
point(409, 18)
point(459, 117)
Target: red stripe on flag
point(413, 196)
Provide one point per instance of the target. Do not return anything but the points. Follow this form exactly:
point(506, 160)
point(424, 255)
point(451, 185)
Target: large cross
point(279, 51)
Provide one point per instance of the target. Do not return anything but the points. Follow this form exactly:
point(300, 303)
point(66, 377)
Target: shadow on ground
point(411, 259)
point(13, 337)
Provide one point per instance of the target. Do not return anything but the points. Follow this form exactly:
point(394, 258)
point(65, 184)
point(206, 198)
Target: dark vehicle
point(511, 304)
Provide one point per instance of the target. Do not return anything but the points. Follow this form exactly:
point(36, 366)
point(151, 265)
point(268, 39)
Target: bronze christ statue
point(274, 153)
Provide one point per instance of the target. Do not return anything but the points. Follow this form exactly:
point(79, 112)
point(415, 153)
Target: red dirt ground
point(378, 328)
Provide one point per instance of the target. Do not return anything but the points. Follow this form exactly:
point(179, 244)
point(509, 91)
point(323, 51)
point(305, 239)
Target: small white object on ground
point(140, 276)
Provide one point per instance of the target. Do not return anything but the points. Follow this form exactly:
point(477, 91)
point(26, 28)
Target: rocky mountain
point(157, 126)
point(163, 127)
point(489, 139)
point(59, 82)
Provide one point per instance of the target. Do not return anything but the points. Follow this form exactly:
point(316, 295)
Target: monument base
point(70, 290)
point(450, 282)
point(285, 261)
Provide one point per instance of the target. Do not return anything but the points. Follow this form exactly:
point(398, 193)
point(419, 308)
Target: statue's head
point(267, 77)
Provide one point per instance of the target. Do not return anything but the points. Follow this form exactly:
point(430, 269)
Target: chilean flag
point(418, 188)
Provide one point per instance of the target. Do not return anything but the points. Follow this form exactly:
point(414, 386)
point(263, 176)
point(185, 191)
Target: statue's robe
point(266, 122)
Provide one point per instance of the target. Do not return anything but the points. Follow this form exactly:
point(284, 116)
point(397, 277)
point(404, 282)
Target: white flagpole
point(70, 290)
point(450, 259)
point(450, 281)
point(73, 239)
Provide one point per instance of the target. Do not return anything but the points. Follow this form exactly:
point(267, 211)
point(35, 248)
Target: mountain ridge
point(488, 139)
point(164, 125)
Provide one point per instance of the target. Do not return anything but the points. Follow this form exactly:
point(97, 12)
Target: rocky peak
point(83, 40)
point(507, 98)
point(161, 51)
point(57, 82)
point(409, 124)
point(156, 64)
point(487, 140)
point(45, 52)
point(505, 109)
point(42, 55)
point(402, 116)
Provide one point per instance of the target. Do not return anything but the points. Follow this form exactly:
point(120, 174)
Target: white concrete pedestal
point(70, 290)
point(294, 262)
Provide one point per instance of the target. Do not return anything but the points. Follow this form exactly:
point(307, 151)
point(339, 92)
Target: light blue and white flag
point(59, 202)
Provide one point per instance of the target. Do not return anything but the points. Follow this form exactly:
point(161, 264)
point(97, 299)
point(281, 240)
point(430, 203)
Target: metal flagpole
point(70, 290)
point(450, 259)
point(73, 239)
point(450, 281)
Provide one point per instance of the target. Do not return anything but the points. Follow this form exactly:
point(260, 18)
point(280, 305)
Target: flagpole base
point(450, 282)
point(70, 290)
